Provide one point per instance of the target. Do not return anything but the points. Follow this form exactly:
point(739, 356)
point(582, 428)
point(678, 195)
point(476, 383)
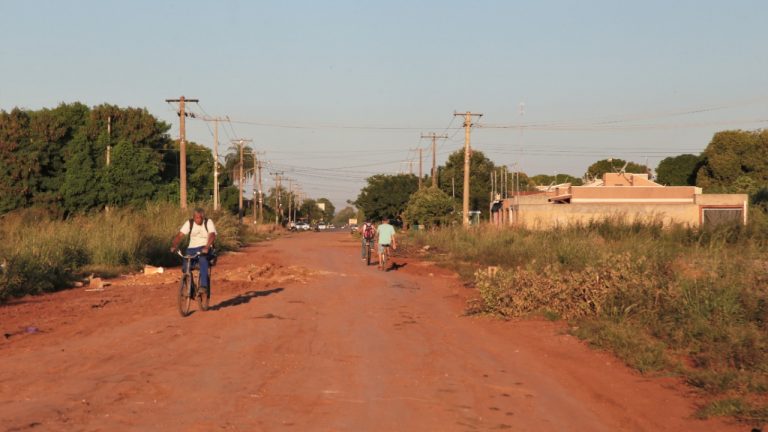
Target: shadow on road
point(395, 266)
point(245, 298)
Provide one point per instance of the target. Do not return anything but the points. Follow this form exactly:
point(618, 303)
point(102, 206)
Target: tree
point(429, 206)
point(480, 169)
point(678, 170)
point(597, 169)
point(546, 180)
point(132, 177)
point(344, 215)
point(386, 195)
point(81, 189)
point(329, 210)
point(732, 155)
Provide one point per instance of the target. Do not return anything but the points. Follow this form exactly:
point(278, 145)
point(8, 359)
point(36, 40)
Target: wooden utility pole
point(216, 120)
point(241, 144)
point(467, 155)
point(434, 137)
point(182, 148)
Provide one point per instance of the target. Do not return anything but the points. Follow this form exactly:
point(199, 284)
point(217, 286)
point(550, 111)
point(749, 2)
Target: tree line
point(74, 158)
point(733, 162)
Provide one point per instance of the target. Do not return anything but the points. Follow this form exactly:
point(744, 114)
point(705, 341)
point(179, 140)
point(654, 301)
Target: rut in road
point(302, 336)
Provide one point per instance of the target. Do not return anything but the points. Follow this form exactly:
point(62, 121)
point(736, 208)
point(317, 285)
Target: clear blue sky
point(599, 79)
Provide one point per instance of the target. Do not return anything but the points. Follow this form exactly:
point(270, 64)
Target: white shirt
point(199, 236)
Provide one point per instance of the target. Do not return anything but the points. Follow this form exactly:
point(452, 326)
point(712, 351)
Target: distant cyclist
point(369, 232)
point(386, 234)
point(202, 234)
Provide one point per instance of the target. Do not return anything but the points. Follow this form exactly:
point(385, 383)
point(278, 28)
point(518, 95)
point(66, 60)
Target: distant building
point(627, 197)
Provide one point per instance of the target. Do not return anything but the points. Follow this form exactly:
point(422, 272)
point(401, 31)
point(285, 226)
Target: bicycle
point(384, 256)
point(190, 286)
point(368, 249)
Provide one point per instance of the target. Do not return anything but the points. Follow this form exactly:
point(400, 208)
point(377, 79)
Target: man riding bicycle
point(369, 232)
point(202, 234)
point(386, 239)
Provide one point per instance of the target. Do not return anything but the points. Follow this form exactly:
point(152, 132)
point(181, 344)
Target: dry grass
point(676, 300)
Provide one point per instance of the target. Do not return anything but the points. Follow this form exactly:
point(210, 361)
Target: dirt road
point(303, 337)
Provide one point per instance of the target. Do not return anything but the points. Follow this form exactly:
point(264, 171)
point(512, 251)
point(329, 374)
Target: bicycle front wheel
point(185, 299)
point(202, 295)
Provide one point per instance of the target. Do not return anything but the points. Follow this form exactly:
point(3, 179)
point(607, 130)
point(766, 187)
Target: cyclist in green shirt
point(386, 239)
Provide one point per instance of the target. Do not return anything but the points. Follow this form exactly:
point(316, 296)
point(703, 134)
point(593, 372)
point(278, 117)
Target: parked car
point(302, 226)
point(353, 228)
point(322, 226)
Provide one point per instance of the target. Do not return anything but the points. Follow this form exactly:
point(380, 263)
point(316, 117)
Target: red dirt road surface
point(304, 337)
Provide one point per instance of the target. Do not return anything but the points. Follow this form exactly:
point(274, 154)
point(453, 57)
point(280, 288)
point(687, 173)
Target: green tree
point(429, 206)
point(732, 155)
point(81, 189)
point(678, 170)
point(480, 169)
point(17, 165)
point(132, 177)
point(597, 169)
point(386, 195)
point(546, 180)
point(344, 215)
point(329, 211)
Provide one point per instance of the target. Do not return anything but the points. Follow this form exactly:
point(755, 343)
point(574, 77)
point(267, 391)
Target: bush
point(43, 253)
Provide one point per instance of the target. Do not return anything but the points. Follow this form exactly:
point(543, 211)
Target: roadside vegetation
point(42, 253)
point(665, 300)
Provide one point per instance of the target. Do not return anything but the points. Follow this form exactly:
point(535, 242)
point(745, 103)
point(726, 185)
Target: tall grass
point(42, 253)
point(675, 299)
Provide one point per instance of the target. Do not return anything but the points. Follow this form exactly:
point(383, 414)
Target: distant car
point(302, 226)
point(353, 228)
point(322, 225)
point(331, 226)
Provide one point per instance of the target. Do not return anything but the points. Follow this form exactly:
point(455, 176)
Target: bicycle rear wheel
point(368, 254)
point(384, 256)
point(185, 301)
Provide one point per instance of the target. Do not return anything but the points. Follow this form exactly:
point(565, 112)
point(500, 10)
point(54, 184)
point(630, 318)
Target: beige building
point(626, 197)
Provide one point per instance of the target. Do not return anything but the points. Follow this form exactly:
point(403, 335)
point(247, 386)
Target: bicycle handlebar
point(178, 252)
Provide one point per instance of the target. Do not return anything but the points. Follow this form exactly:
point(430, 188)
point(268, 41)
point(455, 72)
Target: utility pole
point(434, 137)
point(421, 172)
point(241, 144)
point(261, 196)
point(109, 138)
point(216, 120)
point(182, 148)
point(467, 154)
point(278, 211)
point(256, 192)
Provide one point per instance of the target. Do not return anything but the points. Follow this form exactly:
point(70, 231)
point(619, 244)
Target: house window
point(722, 216)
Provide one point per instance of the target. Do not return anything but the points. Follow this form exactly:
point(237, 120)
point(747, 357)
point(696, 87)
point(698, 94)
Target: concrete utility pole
point(434, 137)
point(109, 138)
point(182, 148)
point(467, 155)
point(241, 144)
point(261, 196)
point(421, 172)
point(216, 120)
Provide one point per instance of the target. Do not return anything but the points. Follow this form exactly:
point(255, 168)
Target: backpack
point(368, 231)
point(212, 255)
